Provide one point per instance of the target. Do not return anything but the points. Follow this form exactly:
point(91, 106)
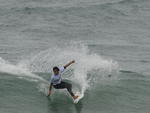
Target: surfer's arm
point(50, 88)
point(65, 66)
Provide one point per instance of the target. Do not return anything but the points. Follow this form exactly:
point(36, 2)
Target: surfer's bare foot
point(75, 97)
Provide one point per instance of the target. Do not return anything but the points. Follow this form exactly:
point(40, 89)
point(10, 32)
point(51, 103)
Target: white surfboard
point(80, 97)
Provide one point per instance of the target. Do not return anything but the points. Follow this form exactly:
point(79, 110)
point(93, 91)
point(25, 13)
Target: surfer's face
point(56, 72)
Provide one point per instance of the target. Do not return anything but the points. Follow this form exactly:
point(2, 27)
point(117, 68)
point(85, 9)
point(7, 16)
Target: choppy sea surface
point(108, 39)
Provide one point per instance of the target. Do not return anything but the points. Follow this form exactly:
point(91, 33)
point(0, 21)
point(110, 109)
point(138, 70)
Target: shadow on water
point(64, 106)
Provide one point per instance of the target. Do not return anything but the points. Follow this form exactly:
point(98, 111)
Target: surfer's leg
point(69, 88)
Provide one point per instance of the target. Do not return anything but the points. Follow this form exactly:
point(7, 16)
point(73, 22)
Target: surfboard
point(79, 98)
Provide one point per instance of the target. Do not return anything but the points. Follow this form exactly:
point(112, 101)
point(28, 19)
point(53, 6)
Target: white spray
point(86, 62)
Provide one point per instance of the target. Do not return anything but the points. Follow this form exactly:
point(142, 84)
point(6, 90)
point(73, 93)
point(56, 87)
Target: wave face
point(85, 74)
point(82, 71)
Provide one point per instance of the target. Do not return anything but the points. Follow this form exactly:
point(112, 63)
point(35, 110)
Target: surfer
point(56, 80)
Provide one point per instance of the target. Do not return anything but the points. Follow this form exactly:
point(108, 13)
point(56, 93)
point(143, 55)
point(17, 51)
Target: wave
point(126, 71)
point(128, 1)
point(71, 7)
point(88, 69)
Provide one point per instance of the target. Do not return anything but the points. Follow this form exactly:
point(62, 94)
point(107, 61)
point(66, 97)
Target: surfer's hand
point(73, 61)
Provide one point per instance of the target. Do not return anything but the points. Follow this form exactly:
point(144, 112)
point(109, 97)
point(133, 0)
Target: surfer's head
point(56, 70)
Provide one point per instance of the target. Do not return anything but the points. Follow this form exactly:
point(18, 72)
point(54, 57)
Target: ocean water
point(108, 39)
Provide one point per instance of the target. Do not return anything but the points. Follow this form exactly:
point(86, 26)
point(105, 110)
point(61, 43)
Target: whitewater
point(43, 62)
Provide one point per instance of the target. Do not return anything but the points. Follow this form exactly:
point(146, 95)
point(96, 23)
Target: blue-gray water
point(109, 39)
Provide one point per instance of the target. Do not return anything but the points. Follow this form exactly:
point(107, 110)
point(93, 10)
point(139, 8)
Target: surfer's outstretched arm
point(65, 66)
point(50, 88)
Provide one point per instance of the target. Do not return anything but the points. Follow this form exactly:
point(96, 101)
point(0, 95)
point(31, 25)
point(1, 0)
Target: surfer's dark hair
point(55, 68)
